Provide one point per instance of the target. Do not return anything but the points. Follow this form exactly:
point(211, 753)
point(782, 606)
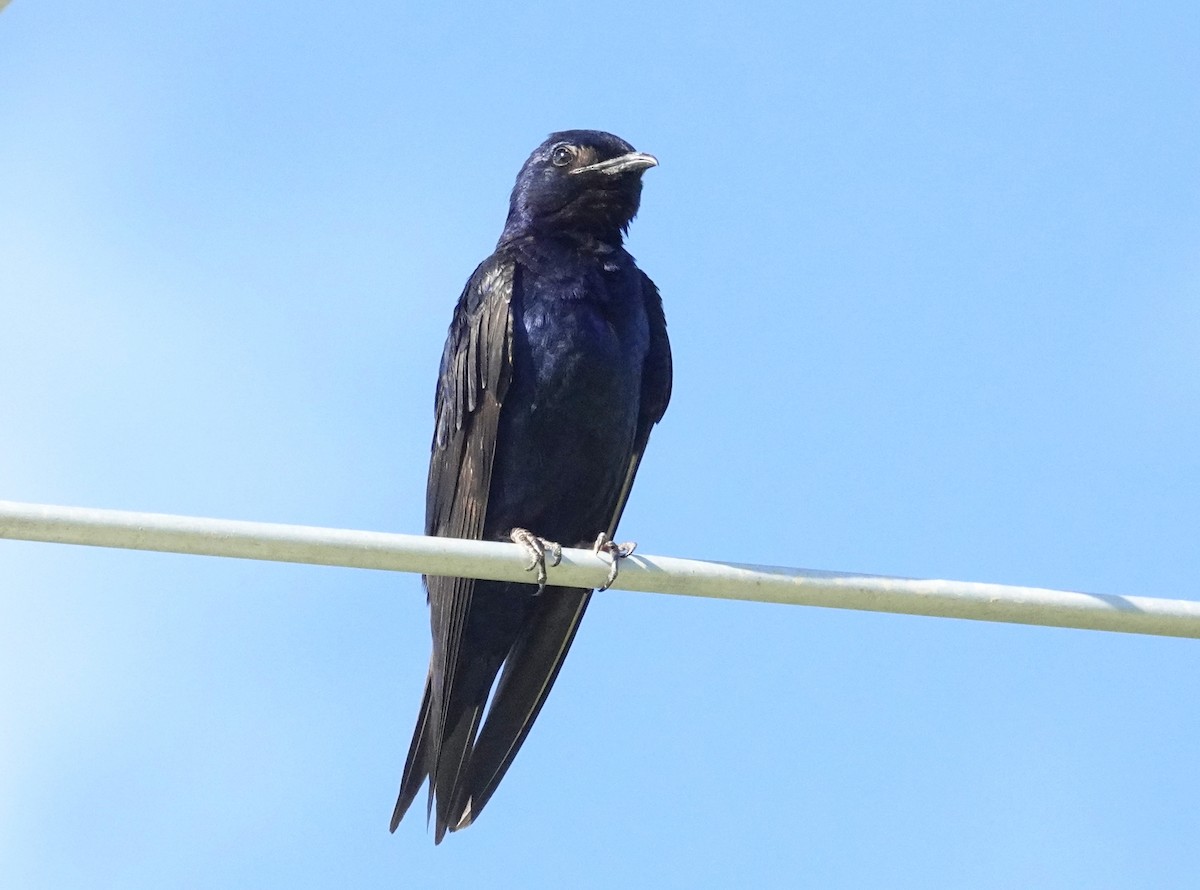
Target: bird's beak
point(634, 162)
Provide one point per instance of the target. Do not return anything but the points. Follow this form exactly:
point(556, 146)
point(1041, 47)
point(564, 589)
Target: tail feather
point(442, 752)
point(529, 673)
point(453, 762)
point(465, 762)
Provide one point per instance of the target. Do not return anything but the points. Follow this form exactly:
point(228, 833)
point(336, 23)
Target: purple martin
point(556, 366)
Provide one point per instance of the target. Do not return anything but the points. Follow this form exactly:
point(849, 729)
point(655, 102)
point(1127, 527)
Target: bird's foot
point(616, 552)
point(536, 549)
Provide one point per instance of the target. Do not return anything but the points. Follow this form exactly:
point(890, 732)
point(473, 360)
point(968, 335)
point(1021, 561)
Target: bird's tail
point(529, 673)
point(466, 763)
point(441, 751)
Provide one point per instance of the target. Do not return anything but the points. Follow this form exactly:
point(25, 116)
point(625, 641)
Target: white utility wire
point(581, 568)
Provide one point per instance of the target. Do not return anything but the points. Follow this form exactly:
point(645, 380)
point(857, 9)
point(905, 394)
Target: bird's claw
point(616, 553)
point(536, 549)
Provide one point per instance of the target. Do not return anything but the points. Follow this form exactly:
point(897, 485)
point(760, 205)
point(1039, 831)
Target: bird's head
point(582, 182)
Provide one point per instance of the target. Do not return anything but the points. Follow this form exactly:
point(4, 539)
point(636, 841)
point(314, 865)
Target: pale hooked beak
point(633, 162)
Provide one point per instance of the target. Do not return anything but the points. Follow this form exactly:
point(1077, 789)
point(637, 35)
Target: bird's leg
point(536, 548)
point(616, 552)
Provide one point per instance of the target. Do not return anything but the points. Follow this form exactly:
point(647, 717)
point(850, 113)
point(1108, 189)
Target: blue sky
point(932, 274)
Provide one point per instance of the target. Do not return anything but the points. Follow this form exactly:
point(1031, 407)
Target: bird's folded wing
point(475, 373)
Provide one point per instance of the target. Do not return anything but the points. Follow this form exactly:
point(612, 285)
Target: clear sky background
point(932, 274)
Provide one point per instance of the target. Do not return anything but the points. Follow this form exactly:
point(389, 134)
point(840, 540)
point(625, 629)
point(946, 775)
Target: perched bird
point(556, 366)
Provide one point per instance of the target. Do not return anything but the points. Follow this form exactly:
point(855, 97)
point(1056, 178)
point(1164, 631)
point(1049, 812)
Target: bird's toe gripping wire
point(616, 552)
point(536, 549)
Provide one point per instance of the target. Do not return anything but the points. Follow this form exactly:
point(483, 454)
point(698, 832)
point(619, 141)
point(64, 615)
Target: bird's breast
point(584, 352)
point(570, 414)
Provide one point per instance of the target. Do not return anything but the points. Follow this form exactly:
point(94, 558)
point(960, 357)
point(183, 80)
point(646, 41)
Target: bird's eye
point(562, 155)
